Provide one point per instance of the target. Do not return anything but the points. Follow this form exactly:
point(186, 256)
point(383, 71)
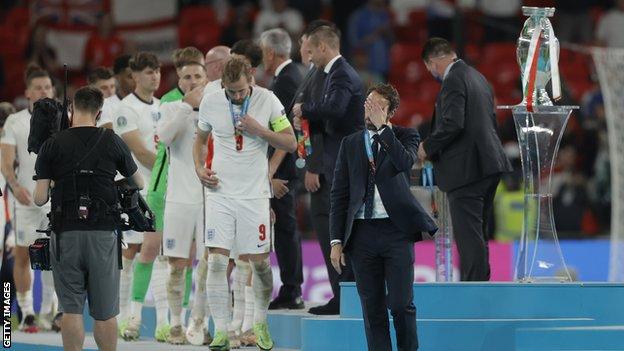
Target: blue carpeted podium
point(471, 316)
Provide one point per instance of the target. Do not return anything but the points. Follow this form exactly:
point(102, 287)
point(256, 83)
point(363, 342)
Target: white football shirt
point(136, 114)
point(242, 174)
point(212, 87)
point(15, 132)
point(177, 131)
point(109, 108)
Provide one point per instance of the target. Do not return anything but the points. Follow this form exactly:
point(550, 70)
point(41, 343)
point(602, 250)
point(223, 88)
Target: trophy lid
point(539, 11)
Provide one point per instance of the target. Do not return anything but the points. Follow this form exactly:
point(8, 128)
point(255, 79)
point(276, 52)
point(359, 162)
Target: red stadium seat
point(406, 64)
point(496, 53)
point(412, 112)
point(198, 27)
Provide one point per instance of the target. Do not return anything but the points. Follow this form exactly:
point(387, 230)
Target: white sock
point(217, 290)
point(47, 292)
point(183, 316)
point(262, 287)
point(241, 275)
point(125, 284)
point(198, 311)
point(175, 292)
point(25, 302)
point(136, 308)
point(159, 289)
point(248, 321)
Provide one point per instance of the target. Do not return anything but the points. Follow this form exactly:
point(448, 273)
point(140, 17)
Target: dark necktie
point(369, 199)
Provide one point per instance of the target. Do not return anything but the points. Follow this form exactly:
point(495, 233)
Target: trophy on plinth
point(443, 239)
point(539, 126)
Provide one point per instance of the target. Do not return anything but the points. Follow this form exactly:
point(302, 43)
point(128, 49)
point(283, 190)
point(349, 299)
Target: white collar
point(331, 62)
point(373, 132)
point(448, 69)
point(281, 67)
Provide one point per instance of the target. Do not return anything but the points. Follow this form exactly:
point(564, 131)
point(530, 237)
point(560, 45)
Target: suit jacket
point(311, 89)
point(395, 158)
point(464, 145)
point(341, 109)
point(284, 87)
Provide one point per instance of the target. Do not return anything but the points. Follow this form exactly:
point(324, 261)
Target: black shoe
point(330, 308)
point(56, 322)
point(281, 303)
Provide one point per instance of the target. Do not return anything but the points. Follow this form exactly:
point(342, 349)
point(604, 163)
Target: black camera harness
point(83, 201)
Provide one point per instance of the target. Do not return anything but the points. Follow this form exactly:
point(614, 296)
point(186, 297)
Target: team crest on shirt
point(156, 116)
point(210, 234)
point(170, 244)
point(122, 121)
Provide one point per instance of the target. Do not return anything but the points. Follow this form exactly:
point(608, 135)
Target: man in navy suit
point(276, 46)
point(341, 110)
point(375, 220)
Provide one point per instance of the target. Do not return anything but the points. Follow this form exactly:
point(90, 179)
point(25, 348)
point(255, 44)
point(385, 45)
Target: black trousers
point(471, 208)
point(288, 245)
point(319, 211)
point(383, 258)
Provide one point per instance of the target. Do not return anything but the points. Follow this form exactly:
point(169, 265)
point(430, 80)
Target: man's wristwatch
point(335, 242)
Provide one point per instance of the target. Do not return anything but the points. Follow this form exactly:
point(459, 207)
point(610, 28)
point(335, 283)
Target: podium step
point(600, 301)
point(347, 334)
point(570, 338)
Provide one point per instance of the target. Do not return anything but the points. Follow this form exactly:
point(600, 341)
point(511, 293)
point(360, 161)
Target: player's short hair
point(234, 69)
point(121, 63)
point(100, 73)
point(435, 47)
point(327, 35)
point(312, 26)
point(33, 71)
point(187, 54)
point(389, 93)
point(249, 49)
point(6, 109)
point(88, 99)
point(278, 40)
point(143, 60)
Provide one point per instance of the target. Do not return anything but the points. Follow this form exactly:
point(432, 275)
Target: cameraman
point(82, 162)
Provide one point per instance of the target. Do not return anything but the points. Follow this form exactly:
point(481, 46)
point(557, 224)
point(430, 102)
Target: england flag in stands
point(68, 12)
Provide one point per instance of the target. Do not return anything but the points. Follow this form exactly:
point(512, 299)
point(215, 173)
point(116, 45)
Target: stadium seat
point(198, 27)
point(406, 64)
point(496, 53)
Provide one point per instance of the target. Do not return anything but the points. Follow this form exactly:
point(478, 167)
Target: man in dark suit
point(340, 110)
point(466, 152)
point(276, 46)
point(376, 219)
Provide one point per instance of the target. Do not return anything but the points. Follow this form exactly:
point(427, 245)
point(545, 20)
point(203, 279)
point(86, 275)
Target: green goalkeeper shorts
point(158, 186)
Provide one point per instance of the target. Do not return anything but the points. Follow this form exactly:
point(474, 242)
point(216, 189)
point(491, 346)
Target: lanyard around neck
point(235, 116)
point(369, 149)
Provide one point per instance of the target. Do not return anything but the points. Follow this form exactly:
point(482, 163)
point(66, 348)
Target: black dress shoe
point(282, 302)
point(330, 308)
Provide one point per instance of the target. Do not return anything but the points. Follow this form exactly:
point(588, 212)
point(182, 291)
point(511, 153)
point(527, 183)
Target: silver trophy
point(537, 54)
point(539, 126)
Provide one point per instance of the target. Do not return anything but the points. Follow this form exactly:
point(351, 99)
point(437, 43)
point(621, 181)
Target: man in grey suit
point(466, 153)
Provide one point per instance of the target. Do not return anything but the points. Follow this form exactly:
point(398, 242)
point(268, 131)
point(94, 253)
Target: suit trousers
point(383, 258)
point(288, 244)
point(319, 211)
point(471, 208)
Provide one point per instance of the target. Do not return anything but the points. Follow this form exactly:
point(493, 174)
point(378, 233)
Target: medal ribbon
point(238, 135)
point(304, 146)
point(369, 150)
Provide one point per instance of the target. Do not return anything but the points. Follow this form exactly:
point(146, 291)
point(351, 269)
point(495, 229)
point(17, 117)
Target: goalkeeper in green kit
point(156, 192)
